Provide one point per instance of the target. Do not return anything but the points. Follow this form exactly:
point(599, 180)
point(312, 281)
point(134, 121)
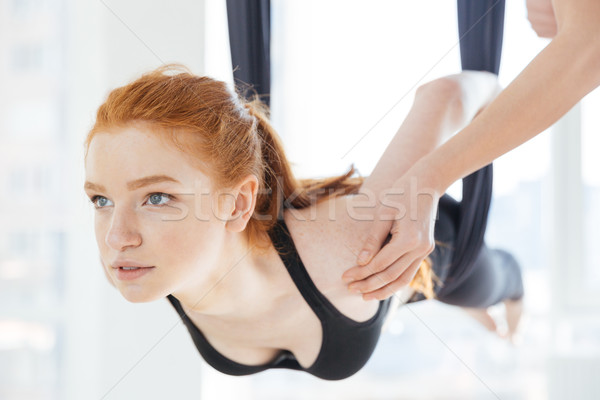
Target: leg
point(496, 276)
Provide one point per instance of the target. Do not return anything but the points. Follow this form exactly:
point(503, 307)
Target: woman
point(195, 201)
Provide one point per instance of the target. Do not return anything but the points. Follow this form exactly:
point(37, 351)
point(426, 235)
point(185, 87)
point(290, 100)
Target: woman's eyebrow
point(133, 185)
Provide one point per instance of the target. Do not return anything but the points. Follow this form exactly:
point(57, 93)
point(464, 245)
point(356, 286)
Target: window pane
point(590, 145)
point(32, 239)
point(30, 360)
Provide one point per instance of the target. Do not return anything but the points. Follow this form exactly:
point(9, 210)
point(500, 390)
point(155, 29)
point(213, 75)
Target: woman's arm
point(440, 108)
point(565, 71)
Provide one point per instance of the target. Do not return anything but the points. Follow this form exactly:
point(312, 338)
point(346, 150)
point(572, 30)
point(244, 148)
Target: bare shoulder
point(328, 236)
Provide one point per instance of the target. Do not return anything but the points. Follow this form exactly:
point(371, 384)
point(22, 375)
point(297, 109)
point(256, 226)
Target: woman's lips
point(126, 270)
point(128, 263)
point(126, 273)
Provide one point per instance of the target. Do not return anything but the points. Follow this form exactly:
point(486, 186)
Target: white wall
point(108, 44)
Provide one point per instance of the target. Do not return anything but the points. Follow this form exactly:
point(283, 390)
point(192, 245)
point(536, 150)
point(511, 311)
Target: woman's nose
point(123, 232)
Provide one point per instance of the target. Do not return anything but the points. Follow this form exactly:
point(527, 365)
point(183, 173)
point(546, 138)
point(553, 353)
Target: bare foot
point(482, 316)
point(514, 311)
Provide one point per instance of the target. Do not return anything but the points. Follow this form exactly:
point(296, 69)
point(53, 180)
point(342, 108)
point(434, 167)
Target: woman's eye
point(99, 201)
point(159, 199)
point(154, 199)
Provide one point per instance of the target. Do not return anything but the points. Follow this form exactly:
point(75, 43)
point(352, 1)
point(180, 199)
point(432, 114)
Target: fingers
point(371, 279)
point(540, 14)
point(385, 283)
point(392, 288)
point(395, 263)
point(375, 239)
point(386, 257)
point(545, 28)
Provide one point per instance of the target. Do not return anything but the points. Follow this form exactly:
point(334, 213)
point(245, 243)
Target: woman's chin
point(139, 295)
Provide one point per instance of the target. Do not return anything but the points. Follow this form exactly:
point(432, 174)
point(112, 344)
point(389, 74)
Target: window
point(590, 137)
point(32, 253)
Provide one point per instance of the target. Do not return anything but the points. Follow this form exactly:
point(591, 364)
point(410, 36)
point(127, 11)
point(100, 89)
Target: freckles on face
point(145, 204)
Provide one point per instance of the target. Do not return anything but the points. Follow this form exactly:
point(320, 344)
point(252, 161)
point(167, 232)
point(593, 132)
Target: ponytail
point(282, 189)
point(282, 186)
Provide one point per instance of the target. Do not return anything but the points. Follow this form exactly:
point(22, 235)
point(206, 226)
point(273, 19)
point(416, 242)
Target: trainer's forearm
point(563, 73)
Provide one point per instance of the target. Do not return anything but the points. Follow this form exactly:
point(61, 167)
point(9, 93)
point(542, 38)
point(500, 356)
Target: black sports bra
point(346, 346)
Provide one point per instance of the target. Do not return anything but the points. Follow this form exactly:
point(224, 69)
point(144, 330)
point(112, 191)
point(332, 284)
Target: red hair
point(227, 138)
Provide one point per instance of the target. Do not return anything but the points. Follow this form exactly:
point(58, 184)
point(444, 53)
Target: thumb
point(375, 238)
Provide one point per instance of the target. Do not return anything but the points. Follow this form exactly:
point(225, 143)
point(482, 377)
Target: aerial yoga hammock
point(480, 27)
point(472, 274)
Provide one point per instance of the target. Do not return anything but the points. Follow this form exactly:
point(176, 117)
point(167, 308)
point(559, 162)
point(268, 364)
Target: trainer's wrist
point(428, 174)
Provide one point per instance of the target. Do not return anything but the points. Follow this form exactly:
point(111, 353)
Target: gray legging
point(495, 276)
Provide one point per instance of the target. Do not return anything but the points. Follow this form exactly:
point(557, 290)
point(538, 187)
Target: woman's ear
point(244, 203)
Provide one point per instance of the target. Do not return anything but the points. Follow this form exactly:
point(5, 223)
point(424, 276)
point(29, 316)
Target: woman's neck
point(248, 283)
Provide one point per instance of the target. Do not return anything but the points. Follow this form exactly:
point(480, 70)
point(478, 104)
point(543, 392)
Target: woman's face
point(153, 213)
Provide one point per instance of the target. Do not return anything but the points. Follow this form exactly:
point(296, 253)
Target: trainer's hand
point(380, 273)
point(541, 16)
